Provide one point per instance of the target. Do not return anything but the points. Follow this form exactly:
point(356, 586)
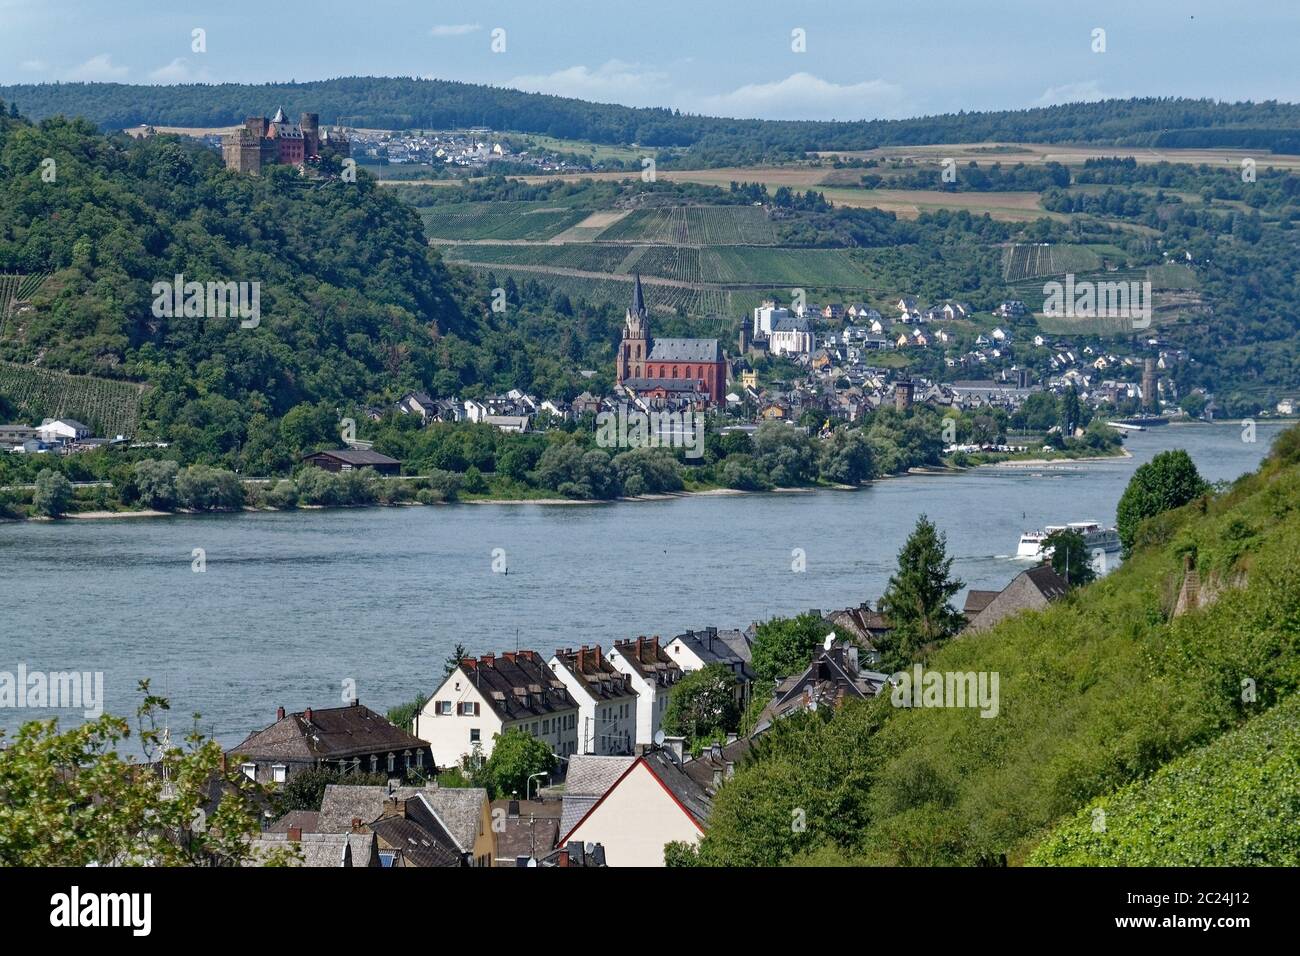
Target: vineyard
point(108, 407)
point(803, 268)
point(617, 290)
point(498, 220)
point(695, 225)
point(1021, 262)
point(15, 289)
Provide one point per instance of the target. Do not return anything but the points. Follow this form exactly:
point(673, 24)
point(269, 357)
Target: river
point(292, 605)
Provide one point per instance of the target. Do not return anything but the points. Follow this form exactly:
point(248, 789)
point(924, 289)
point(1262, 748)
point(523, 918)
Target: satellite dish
point(659, 738)
point(830, 640)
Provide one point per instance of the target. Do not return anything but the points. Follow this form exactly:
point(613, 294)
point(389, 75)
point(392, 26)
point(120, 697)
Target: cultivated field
point(1041, 153)
point(109, 407)
point(695, 225)
point(498, 220)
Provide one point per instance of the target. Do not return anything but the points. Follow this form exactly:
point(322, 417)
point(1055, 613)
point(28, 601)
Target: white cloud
point(612, 82)
point(1086, 91)
point(802, 96)
point(179, 71)
point(97, 69)
point(455, 29)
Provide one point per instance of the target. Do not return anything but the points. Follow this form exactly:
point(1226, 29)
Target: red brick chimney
point(295, 834)
point(640, 643)
point(356, 824)
point(596, 651)
point(279, 713)
point(508, 657)
point(582, 659)
point(488, 660)
point(468, 663)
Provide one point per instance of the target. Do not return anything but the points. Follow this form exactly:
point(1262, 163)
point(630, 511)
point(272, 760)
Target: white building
point(62, 429)
point(649, 802)
point(791, 336)
point(766, 316)
point(605, 698)
point(695, 650)
point(486, 697)
point(654, 675)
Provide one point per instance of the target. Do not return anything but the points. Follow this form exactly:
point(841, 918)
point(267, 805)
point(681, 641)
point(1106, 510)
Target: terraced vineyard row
point(695, 225)
point(499, 220)
point(618, 291)
point(588, 257)
point(803, 268)
point(15, 288)
point(109, 407)
point(1044, 259)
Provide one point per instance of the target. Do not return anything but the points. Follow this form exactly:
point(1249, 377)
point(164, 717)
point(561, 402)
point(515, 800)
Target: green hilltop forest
point(355, 306)
point(406, 103)
point(1181, 729)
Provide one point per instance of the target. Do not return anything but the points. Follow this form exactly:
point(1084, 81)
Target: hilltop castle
point(667, 369)
point(263, 142)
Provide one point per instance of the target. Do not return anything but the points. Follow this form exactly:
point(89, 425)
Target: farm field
point(1039, 154)
point(662, 295)
point(109, 407)
point(695, 225)
point(498, 220)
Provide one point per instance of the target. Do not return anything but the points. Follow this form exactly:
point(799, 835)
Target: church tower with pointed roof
point(667, 371)
point(635, 347)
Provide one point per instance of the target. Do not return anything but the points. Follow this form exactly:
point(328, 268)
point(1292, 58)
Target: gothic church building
point(668, 370)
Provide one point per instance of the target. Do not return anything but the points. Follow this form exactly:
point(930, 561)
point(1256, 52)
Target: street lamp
point(528, 783)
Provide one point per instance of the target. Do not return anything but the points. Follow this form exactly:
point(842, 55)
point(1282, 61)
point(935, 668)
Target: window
point(467, 708)
point(546, 726)
point(444, 708)
point(374, 763)
point(474, 736)
point(392, 762)
point(278, 773)
point(386, 857)
point(534, 730)
point(250, 771)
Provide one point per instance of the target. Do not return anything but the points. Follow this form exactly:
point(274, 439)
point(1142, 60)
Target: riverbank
point(947, 469)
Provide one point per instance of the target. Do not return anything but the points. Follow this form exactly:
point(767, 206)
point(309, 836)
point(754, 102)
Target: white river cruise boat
point(1095, 538)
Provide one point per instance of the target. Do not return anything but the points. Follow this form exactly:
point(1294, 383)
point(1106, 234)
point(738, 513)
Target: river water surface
point(292, 605)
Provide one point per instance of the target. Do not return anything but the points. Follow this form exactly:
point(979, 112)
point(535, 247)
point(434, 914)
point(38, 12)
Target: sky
point(818, 59)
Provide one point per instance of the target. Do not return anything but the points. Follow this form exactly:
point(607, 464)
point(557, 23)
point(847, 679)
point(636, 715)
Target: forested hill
point(391, 102)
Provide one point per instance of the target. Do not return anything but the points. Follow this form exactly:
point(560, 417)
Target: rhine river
point(292, 605)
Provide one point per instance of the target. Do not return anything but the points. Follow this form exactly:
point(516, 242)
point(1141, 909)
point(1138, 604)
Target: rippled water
point(291, 605)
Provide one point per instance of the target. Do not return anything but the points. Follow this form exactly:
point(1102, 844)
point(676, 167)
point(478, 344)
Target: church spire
point(638, 298)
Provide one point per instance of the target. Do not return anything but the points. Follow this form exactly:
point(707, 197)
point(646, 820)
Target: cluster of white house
point(580, 701)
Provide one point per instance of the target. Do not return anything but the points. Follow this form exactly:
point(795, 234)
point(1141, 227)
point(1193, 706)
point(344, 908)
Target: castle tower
point(903, 395)
point(1150, 398)
point(309, 123)
point(635, 347)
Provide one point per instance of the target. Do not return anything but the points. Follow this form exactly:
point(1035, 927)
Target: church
point(692, 371)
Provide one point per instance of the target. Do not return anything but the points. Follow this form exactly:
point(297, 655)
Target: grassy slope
point(1234, 802)
point(1101, 689)
point(1097, 692)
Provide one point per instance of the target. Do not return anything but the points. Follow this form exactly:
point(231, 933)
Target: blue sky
point(863, 59)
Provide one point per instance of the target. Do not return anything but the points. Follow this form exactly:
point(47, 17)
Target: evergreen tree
point(916, 601)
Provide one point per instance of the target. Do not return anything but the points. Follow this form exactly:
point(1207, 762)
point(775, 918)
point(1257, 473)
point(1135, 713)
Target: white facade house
point(62, 429)
point(651, 803)
point(605, 698)
point(654, 675)
point(695, 650)
point(486, 697)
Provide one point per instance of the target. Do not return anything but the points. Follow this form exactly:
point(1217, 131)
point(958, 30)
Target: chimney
point(468, 663)
point(732, 737)
point(356, 702)
point(596, 651)
point(306, 715)
point(513, 810)
point(356, 824)
point(640, 643)
point(582, 658)
point(279, 713)
point(295, 834)
point(489, 660)
point(675, 748)
point(393, 808)
point(508, 656)
point(715, 752)
point(717, 777)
